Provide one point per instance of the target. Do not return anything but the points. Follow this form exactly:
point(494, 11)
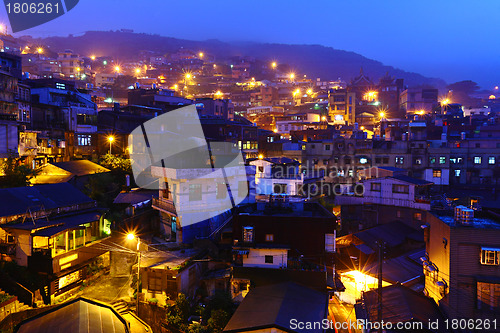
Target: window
point(84, 140)
point(397, 188)
point(330, 243)
point(398, 213)
point(457, 173)
point(400, 159)
point(432, 160)
point(478, 145)
point(268, 259)
point(442, 159)
point(195, 192)
point(280, 188)
point(247, 234)
point(347, 160)
point(491, 160)
point(154, 280)
point(385, 160)
point(221, 191)
point(269, 238)
point(417, 216)
point(477, 159)
point(327, 147)
point(375, 187)
point(436, 173)
point(488, 296)
point(453, 160)
point(325, 162)
point(490, 256)
point(363, 160)
point(378, 160)
point(261, 169)
point(418, 161)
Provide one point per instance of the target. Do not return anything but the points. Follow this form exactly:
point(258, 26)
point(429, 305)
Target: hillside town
point(349, 202)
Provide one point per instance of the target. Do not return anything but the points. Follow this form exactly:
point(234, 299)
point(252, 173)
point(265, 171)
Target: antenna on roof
point(35, 214)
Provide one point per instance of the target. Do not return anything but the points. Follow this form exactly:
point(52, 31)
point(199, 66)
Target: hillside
point(315, 60)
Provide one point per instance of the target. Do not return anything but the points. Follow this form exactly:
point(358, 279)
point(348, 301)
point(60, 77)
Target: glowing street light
point(110, 139)
point(92, 57)
point(323, 118)
point(117, 69)
point(187, 76)
point(176, 87)
point(130, 236)
point(261, 156)
point(296, 92)
point(218, 93)
point(275, 130)
point(274, 64)
point(382, 115)
point(309, 91)
point(292, 76)
point(200, 55)
point(39, 50)
point(445, 101)
point(137, 71)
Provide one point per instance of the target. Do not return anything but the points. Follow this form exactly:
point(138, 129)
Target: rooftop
point(481, 220)
point(275, 305)
point(79, 315)
point(49, 196)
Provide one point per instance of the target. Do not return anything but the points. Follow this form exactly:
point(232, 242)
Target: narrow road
point(343, 315)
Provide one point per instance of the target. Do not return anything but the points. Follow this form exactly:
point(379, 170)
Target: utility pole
point(380, 262)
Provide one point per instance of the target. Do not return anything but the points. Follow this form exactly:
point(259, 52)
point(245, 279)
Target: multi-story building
point(418, 100)
point(71, 64)
point(55, 230)
point(342, 106)
point(9, 115)
point(462, 264)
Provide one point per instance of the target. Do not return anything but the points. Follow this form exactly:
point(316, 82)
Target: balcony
point(164, 205)
point(418, 203)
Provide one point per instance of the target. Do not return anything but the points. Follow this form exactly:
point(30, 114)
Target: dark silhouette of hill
point(315, 60)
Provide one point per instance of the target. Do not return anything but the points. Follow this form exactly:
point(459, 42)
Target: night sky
point(454, 40)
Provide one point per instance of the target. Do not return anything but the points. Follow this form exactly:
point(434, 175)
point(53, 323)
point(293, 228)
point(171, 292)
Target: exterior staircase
point(120, 306)
point(11, 307)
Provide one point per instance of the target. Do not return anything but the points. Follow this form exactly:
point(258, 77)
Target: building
point(220, 108)
point(275, 308)
point(54, 230)
point(418, 100)
point(260, 228)
point(342, 106)
point(71, 64)
point(400, 306)
point(462, 263)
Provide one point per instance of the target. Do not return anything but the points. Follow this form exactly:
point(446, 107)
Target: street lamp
point(117, 69)
point(137, 71)
point(110, 139)
point(130, 237)
point(274, 64)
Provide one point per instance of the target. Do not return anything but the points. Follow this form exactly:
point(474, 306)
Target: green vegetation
point(15, 174)
point(215, 315)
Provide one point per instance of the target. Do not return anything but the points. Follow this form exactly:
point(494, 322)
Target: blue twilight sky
point(451, 39)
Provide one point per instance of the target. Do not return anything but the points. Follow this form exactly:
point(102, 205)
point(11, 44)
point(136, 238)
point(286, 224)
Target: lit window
point(248, 234)
point(400, 159)
point(490, 256)
point(417, 216)
point(457, 173)
point(363, 160)
point(491, 160)
point(269, 237)
point(418, 161)
point(436, 173)
point(432, 160)
point(442, 160)
point(488, 295)
point(477, 159)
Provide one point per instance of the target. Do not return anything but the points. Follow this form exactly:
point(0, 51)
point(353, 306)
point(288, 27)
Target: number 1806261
point(32, 8)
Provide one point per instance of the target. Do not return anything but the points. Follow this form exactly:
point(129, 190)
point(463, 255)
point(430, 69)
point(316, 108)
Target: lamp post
point(110, 139)
point(131, 236)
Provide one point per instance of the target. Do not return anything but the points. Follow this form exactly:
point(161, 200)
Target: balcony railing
point(164, 205)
